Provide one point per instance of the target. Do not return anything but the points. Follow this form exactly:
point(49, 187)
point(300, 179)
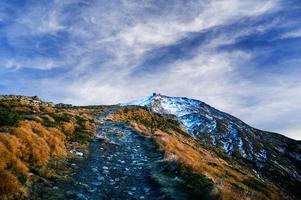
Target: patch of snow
point(142, 102)
point(261, 155)
point(250, 155)
point(241, 149)
point(209, 117)
point(212, 126)
point(213, 139)
point(280, 149)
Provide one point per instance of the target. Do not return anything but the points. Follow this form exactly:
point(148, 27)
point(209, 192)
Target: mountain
point(156, 148)
point(270, 154)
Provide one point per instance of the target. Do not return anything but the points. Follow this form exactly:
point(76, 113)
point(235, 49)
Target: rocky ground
point(119, 166)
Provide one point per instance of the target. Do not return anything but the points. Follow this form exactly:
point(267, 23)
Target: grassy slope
point(230, 179)
point(35, 141)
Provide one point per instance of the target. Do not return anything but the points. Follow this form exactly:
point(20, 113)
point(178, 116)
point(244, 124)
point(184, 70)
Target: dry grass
point(9, 184)
point(32, 145)
point(68, 127)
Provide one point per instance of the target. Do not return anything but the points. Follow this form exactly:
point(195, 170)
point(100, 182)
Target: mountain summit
point(269, 153)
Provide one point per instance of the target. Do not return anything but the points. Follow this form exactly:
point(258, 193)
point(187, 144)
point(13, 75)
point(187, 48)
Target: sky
point(240, 56)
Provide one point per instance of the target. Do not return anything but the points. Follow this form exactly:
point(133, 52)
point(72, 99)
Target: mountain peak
point(264, 150)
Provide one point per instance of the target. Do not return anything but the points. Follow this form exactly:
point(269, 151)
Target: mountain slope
point(271, 154)
point(227, 178)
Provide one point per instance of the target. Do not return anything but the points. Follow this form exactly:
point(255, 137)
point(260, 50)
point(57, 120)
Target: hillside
point(36, 140)
point(157, 148)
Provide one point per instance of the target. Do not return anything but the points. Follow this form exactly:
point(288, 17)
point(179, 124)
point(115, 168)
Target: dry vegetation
point(231, 179)
point(32, 136)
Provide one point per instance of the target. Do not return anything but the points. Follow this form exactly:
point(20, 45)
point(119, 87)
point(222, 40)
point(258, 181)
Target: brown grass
point(34, 149)
point(9, 184)
point(68, 127)
point(35, 144)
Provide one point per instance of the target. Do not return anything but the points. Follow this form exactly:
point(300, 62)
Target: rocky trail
point(119, 166)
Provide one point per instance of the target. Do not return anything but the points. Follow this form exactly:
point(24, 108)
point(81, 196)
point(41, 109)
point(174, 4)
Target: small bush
point(82, 137)
point(255, 184)
point(182, 182)
point(9, 118)
point(60, 117)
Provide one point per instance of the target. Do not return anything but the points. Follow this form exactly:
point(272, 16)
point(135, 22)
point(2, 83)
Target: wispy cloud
point(88, 52)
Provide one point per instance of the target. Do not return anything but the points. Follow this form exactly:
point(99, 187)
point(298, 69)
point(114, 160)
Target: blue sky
point(242, 57)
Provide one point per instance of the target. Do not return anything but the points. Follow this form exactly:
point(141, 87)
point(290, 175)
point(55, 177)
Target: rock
point(130, 193)
point(97, 183)
point(80, 196)
point(78, 153)
point(55, 188)
point(92, 190)
point(101, 138)
point(141, 197)
point(100, 178)
point(146, 189)
point(94, 169)
point(133, 188)
point(105, 168)
point(84, 185)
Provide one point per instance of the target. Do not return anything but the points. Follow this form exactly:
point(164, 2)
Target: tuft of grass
point(9, 184)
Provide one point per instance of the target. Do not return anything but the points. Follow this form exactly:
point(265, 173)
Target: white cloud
point(292, 34)
point(108, 41)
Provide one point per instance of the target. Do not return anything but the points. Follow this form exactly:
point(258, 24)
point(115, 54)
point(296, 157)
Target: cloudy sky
point(240, 56)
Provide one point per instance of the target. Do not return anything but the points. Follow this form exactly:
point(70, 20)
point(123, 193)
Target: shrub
point(63, 117)
point(255, 184)
point(182, 182)
point(82, 137)
point(9, 118)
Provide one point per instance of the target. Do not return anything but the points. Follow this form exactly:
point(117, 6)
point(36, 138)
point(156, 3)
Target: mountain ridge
point(271, 154)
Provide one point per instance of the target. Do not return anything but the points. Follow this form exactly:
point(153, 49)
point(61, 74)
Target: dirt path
point(119, 166)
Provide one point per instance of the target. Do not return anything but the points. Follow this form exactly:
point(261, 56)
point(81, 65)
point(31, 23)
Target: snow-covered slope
point(263, 150)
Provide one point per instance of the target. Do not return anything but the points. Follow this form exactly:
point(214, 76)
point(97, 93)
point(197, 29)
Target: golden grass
point(68, 127)
point(34, 145)
point(9, 184)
